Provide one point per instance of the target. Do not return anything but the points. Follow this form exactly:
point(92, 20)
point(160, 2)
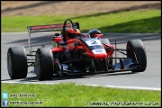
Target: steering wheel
point(64, 26)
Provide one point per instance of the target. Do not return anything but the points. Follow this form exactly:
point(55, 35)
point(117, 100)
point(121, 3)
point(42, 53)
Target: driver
point(94, 33)
point(71, 33)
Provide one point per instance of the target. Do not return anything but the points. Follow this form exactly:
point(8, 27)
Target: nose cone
point(99, 53)
point(100, 56)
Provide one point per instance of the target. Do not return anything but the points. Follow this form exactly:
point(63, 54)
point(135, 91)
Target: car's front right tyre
point(44, 64)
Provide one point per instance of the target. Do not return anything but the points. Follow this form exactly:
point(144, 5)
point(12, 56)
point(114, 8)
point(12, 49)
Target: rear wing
point(48, 28)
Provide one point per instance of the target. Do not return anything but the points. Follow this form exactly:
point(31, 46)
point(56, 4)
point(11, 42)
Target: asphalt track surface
point(149, 79)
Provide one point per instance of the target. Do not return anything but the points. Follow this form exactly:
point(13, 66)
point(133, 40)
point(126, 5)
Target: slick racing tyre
point(17, 62)
point(136, 46)
point(44, 64)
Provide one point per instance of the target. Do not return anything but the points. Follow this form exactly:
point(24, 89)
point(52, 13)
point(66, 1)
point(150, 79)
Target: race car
point(74, 53)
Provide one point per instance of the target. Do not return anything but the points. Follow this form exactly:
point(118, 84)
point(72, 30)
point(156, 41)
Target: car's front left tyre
point(136, 51)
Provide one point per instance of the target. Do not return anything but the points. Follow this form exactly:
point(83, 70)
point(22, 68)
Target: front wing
point(127, 64)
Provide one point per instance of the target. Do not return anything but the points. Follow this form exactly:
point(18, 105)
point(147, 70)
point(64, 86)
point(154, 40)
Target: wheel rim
point(129, 51)
point(37, 65)
point(9, 63)
point(60, 73)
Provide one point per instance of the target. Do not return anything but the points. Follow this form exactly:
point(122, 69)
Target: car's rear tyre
point(17, 62)
point(44, 64)
point(136, 46)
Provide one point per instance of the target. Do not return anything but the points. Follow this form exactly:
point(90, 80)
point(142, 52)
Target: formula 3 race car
point(74, 53)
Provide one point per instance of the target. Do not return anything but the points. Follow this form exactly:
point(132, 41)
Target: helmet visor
point(98, 35)
point(70, 35)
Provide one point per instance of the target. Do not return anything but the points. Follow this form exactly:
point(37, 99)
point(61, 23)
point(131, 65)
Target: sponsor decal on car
point(49, 26)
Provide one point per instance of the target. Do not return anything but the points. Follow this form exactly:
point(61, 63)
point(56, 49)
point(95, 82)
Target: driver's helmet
point(95, 33)
point(72, 33)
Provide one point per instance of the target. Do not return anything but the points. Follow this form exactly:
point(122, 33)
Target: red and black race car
point(74, 53)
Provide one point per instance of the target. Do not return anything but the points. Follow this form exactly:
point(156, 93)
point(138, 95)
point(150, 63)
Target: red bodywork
point(70, 46)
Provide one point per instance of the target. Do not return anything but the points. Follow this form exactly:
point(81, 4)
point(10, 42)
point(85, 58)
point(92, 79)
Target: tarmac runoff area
point(148, 80)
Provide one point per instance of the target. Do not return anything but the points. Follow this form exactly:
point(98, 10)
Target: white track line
point(94, 85)
point(14, 33)
point(125, 87)
point(25, 33)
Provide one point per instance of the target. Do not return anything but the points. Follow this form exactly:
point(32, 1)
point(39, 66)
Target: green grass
point(140, 21)
point(70, 94)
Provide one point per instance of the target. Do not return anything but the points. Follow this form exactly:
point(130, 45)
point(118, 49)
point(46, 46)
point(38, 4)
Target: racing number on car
point(94, 42)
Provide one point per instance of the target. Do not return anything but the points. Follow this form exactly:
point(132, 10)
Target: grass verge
point(70, 94)
point(140, 21)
